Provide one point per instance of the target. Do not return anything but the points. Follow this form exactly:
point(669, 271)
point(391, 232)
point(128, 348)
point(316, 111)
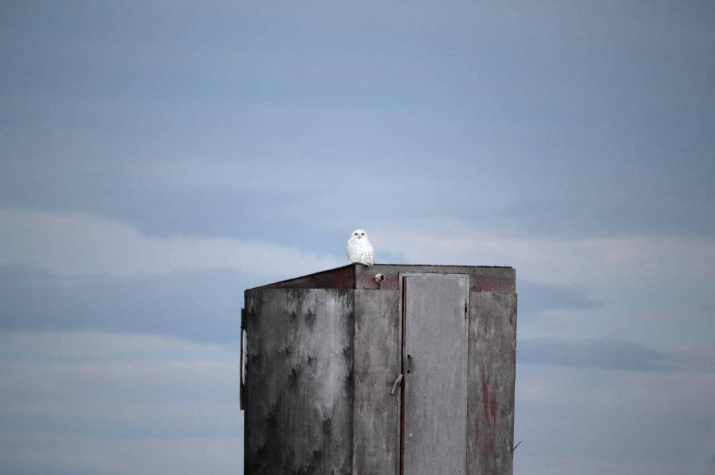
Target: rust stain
point(365, 373)
point(490, 416)
point(340, 278)
point(493, 409)
point(490, 405)
point(485, 400)
point(492, 284)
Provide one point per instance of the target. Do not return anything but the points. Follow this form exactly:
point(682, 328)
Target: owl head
point(359, 234)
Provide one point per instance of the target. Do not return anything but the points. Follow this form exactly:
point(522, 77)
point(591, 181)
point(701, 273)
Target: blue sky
point(160, 157)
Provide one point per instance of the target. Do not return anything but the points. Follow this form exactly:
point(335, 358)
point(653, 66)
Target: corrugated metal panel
point(299, 381)
point(435, 411)
point(492, 370)
point(376, 415)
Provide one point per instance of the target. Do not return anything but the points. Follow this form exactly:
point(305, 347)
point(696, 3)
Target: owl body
point(359, 249)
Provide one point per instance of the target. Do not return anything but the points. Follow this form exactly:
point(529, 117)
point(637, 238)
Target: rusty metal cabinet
point(391, 369)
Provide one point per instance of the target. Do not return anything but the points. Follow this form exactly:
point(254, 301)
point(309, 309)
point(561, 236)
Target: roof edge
point(346, 276)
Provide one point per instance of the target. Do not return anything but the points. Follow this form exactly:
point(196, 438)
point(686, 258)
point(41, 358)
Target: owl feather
point(359, 249)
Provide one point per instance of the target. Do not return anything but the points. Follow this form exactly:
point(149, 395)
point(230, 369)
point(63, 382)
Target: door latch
point(395, 384)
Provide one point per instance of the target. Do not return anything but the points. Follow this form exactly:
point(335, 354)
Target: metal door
point(434, 409)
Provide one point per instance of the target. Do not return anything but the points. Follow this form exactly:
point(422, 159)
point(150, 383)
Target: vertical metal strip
point(351, 426)
point(404, 379)
point(466, 373)
point(242, 385)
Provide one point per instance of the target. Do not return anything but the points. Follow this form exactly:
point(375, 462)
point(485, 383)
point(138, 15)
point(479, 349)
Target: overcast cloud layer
point(159, 158)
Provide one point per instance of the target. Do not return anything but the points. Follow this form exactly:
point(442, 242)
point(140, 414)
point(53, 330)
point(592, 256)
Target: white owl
point(359, 248)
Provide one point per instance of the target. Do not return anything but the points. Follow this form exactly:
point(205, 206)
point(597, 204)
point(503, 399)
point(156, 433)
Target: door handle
point(395, 384)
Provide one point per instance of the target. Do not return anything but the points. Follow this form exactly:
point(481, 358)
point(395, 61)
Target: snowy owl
point(359, 248)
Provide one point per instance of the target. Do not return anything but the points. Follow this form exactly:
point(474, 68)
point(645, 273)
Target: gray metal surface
point(436, 381)
point(482, 278)
point(322, 359)
point(376, 414)
point(492, 370)
point(357, 276)
point(299, 386)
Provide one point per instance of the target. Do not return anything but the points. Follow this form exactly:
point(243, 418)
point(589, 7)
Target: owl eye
point(362, 234)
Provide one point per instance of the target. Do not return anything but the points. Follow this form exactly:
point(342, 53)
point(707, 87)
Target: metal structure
point(390, 369)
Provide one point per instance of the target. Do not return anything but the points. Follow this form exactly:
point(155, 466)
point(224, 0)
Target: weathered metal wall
point(492, 371)
point(321, 363)
point(376, 413)
point(299, 381)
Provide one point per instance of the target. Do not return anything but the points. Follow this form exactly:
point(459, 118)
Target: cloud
point(604, 263)
point(593, 353)
point(99, 347)
point(598, 118)
point(564, 465)
point(664, 319)
point(699, 358)
point(61, 454)
point(710, 467)
point(71, 244)
point(579, 420)
point(199, 305)
point(277, 176)
point(535, 297)
point(108, 404)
